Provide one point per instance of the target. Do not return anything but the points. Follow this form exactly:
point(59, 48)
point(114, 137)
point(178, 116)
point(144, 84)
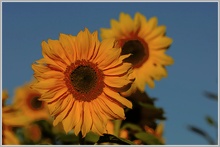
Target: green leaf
point(111, 139)
point(91, 137)
point(132, 127)
point(148, 138)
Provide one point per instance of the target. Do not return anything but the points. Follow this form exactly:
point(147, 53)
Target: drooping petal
point(87, 120)
point(119, 70)
point(116, 96)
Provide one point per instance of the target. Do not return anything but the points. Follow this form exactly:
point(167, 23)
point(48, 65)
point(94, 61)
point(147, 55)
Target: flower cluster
point(86, 86)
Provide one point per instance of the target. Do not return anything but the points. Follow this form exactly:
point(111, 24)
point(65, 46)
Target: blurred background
point(193, 26)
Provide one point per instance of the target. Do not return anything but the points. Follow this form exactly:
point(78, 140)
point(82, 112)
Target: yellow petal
point(78, 126)
point(106, 109)
point(116, 96)
point(126, 22)
point(68, 44)
point(116, 109)
point(58, 51)
point(156, 32)
point(104, 48)
point(51, 74)
point(94, 47)
point(159, 56)
point(50, 58)
point(119, 70)
point(98, 122)
point(67, 121)
point(56, 104)
point(83, 43)
point(139, 19)
point(87, 120)
point(117, 62)
point(73, 118)
point(63, 111)
point(106, 33)
point(109, 57)
point(160, 42)
point(148, 27)
point(48, 84)
point(115, 25)
point(117, 82)
point(39, 68)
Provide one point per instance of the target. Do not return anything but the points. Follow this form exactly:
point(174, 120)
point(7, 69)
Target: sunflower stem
point(81, 139)
point(117, 127)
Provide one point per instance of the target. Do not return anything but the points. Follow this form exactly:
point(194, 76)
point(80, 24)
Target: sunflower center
point(35, 103)
point(139, 52)
point(84, 80)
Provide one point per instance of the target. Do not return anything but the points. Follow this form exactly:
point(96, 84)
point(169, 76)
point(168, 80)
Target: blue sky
point(192, 25)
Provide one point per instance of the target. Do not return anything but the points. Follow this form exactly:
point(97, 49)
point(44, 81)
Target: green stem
point(117, 125)
point(81, 139)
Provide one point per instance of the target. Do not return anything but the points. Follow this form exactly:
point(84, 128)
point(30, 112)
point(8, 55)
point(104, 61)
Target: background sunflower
point(146, 42)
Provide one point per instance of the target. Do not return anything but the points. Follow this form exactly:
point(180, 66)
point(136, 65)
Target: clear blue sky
point(193, 27)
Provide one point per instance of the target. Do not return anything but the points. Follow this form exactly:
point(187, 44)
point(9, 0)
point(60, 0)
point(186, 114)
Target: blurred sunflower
point(33, 132)
point(79, 78)
point(123, 133)
point(10, 118)
point(158, 132)
point(146, 42)
point(26, 100)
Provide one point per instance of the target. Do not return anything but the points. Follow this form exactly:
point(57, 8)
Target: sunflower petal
point(87, 120)
point(119, 70)
point(116, 96)
point(68, 43)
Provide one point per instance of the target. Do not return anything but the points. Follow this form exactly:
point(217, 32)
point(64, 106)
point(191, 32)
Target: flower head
point(79, 78)
point(26, 100)
point(146, 42)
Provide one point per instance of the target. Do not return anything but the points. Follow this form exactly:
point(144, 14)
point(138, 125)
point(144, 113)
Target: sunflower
point(146, 42)
point(80, 79)
point(26, 100)
point(10, 118)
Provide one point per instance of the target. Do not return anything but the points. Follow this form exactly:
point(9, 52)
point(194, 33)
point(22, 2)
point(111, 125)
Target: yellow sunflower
point(26, 100)
point(79, 78)
point(146, 42)
point(10, 118)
